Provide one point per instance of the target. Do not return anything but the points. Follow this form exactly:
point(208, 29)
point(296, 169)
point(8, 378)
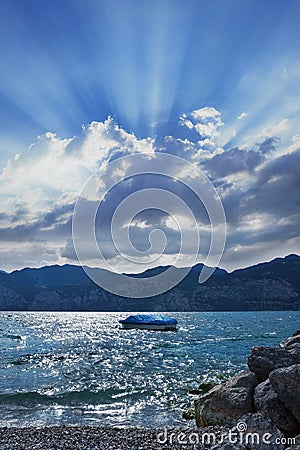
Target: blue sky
point(66, 63)
point(148, 64)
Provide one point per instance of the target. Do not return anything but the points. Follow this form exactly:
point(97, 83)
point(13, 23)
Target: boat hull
point(145, 326)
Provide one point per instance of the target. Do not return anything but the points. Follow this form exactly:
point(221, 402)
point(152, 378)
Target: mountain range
point(273, 285)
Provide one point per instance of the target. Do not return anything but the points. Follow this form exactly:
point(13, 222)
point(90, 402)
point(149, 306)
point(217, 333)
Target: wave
point(31, 398)
point(34, 358)
point(24, 398)
point(15, 337)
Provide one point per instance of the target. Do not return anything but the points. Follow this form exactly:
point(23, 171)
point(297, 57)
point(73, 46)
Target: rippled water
point(79, 368)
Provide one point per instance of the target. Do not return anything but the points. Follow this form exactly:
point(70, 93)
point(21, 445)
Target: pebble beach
point(102, 438)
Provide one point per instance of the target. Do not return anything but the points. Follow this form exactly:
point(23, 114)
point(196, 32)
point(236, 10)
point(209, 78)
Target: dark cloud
point(275, 190)
point(57, 216)
point(68, 251)
point(233, 161)
point(268, 145)
point(56, 223)
point(264, 218)
point(277, 187)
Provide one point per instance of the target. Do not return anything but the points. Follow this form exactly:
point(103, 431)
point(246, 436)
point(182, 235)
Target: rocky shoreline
point(258, 409)
point(265, 399)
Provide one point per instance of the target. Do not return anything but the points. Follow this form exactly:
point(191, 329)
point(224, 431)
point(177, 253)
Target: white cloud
point(206, 114)
point(40, 186)
point(208, 129)
point(54, 167)
point(201, 116)
point(242, 116)
point(206, 122)
point(189, 124)
point(295, 145)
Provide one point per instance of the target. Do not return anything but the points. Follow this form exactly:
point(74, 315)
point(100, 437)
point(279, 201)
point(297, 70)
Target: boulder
point(252, 432)
point(286, 383)
point(259, 433)
point(290, 341)
point(294, 349)
point(206, 386)
point(226, 402)
point(264, 360)
point(268, 404)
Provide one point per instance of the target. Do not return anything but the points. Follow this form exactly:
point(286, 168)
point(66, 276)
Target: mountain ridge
point(273, 285)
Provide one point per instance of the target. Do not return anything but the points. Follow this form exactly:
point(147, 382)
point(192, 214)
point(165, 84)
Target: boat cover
point(150, 319)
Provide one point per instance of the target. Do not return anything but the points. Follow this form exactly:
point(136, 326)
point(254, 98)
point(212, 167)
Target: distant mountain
point(273, 285)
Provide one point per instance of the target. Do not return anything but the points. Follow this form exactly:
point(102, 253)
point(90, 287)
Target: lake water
point(79, 368)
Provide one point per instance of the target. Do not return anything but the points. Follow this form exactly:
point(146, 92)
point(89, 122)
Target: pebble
point(96, 438)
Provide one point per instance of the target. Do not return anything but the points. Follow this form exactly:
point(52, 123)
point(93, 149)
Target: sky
point(83, 83)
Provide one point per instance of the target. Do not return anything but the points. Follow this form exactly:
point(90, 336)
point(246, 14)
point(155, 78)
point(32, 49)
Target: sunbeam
point(84, 83)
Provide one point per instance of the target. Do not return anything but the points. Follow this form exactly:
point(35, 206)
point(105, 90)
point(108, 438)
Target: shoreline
point(88, 437)
point(260, 404)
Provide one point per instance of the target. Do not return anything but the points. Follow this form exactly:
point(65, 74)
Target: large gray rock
point(286, 383)
point(268, 404)
point(253, 432)
point(225, 403)
point(290, 341)
point(294, 349)
point(264, 360)
point(260, 433)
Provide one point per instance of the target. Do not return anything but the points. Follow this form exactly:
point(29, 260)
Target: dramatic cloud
point(259, 187)
point(233, 161)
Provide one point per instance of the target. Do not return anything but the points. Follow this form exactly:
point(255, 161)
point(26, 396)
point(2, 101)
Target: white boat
point(149, 322)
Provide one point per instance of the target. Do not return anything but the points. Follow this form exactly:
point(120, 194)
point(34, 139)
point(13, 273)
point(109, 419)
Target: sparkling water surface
point(80, 368)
